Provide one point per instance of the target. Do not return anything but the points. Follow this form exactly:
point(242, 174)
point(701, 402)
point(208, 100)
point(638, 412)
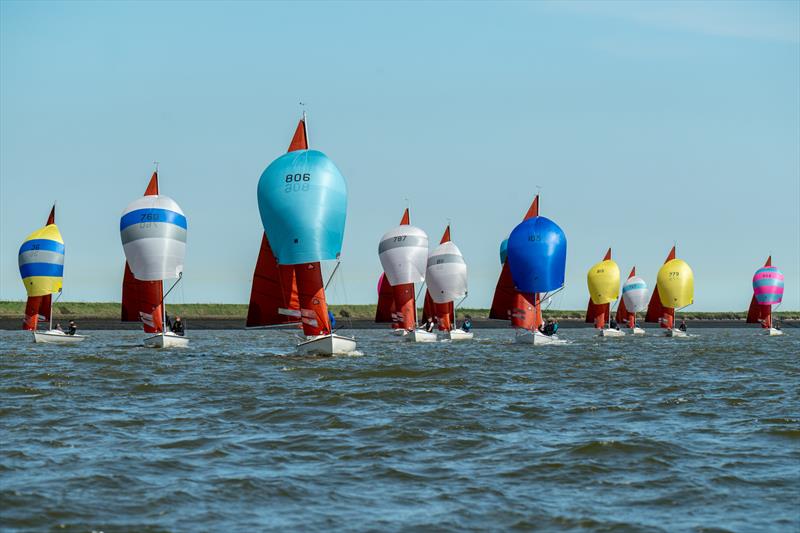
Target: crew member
point(177, 326)
point(72, 328)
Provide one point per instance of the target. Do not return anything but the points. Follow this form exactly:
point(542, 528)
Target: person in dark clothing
point(613, 324)
point(550, 327)
point(72, 328)
point(467, 324)
point(682, 327)
point(177, 326)
point(429, 324)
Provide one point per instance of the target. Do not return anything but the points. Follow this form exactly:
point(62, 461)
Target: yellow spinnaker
point(675, 284)
point(41, 261)
point(603, 281)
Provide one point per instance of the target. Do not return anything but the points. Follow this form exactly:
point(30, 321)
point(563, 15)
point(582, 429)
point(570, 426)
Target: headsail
point(767, 291)
point(634, 299)
point(537, 254)
point(446, 276)
point(385, 311)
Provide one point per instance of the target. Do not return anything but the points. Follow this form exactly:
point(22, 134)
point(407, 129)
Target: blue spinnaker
point(537, 255)
point(302, 198)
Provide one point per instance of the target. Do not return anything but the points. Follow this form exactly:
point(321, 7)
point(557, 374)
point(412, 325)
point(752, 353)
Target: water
point(647, 434)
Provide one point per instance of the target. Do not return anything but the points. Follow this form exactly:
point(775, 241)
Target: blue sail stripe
point(768, 282)
point(41, 269)
point(48, 245)
point(144, 216)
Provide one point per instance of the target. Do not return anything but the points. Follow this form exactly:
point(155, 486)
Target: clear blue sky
point(645, 123)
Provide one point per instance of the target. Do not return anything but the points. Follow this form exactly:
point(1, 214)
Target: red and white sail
point(523, 309)
point(141, 300)
point(39, 307)
point(447, 281)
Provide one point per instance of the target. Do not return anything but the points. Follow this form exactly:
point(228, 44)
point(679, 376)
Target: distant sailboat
point(446, 277)
point(302, 199)
point(403, 252)
point(41, 266)
point(153, 233)
point(603, 282)
point(674, 290)
point(533, 271)
point(634, 300)
point(767, 291)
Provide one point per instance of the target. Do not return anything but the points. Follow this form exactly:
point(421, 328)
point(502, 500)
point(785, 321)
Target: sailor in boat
point(467, 324)
point(58, 327)
point(549, 328)
point(682, 327)
point(177, 327)
point(332, 319)
point(72, 329)
point(613, 324)
point(429, 325)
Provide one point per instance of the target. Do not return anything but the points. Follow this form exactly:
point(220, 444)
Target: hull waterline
point(55, 336)
point(166, 340)
point(331, 344)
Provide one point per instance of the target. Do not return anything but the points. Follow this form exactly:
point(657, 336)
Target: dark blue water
point(649, 434)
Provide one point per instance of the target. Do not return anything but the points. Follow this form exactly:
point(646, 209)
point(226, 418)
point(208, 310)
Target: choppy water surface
point(602, 434)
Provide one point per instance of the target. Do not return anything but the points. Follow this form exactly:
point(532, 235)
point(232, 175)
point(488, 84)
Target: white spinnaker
point(153, 233)
point(635, 294)
point(403, 252)
point(447, 274)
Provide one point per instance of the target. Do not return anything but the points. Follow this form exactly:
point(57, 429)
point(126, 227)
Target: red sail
point(656, 312)
point(273, 298)
point(38, 307)
point(311, 293)
point(757, 313)
point(141, 300)
point(623, 315)
point(523, 309)
point(384, 312)
point(405, 306)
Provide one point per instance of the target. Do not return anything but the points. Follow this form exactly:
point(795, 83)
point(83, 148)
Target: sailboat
point(603, 282)
point(153, 233)
point(302, 200)
point(534, 266)
point(767, 291)
point(403, 252)
point(446, 276)
point(674, 290)
point(634, 300)
point(41, 266)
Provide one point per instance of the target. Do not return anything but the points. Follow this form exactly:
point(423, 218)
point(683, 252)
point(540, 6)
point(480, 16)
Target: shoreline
point(199, 324)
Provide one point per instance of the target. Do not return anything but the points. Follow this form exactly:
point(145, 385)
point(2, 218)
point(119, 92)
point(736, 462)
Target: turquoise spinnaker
point(302, 198)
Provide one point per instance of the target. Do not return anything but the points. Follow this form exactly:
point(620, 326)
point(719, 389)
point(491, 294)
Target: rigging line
point(330, 278)
point(180, 277)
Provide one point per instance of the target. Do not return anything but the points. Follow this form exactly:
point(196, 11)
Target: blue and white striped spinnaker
point(153, 232)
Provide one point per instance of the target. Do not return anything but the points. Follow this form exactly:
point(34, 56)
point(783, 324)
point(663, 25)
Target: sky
point(642, 124)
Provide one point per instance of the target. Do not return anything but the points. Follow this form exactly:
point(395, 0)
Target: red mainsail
point(384, 313)
point(522, 308)
point(141, 300)
point(657, 313)
point(273, 297)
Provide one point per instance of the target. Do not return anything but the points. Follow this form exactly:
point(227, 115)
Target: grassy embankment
point(110, 310)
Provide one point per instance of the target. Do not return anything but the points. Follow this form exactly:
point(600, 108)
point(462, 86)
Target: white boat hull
point(331, 344)
point(420, 335)
point(536, 338)
point(636, 331)
point(772, 332)
point(399, 332)
point(675, 333)
point(458, 335)
point(608, 332)
point(55, 336)
point(166, 340)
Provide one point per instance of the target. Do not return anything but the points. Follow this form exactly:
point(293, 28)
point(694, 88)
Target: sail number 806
point(296, 182)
